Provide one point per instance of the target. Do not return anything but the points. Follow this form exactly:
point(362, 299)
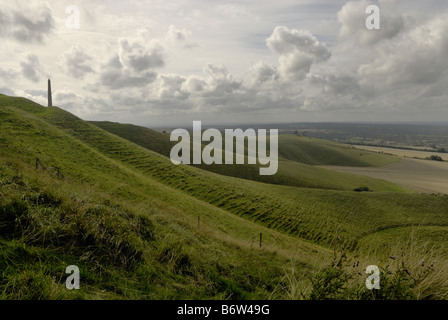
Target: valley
point(106, 197)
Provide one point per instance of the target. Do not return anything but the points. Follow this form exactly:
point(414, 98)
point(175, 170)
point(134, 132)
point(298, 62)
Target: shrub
point(362, 189)
point(434, 158)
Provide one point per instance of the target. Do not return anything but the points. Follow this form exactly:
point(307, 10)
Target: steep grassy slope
point(145, 137)
point(290, 173)
point(27, 136)
point(315, 215)
point(123, 212)
point(131, 236)
point(123, 249)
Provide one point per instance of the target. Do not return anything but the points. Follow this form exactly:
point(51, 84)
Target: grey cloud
point(8, 74)
point(393, 69)
point(140, 57)
point(262, 72)
point(178, 34)
point(220, 81)
point(284, 41)
point(115, 76)
point(6, 91)
point(352, 16)
point(337, 84)
point(295, 65)
point(70, 100)
point(236, 12)
point(31, 68)
point(64, 95)
point(76, 62)
point(133, 65)
point(176, 93)
point(219, 91)
point(194, 85)
point(171, 87)
point(27, 23)
point(419, 58)
point(218, 73)
point(114, 62)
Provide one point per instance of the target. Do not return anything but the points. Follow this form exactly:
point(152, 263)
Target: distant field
point(403, 153)
point(421, 175)
point(430, 136)
point(324, 152)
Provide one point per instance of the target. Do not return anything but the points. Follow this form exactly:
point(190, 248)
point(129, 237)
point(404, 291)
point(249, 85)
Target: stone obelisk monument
point(50, 101)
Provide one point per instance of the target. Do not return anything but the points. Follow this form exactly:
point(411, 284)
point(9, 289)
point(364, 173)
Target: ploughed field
point(403, 153)
point(421, 175)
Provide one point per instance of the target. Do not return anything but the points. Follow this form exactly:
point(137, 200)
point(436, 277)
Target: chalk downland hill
point(138, 227)
point(297, 155)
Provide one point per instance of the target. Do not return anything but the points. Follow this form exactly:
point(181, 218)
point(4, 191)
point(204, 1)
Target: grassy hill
point(324, 152)
point(145, 137)
point(292, 172)
point(301, 149)
point(129, 219)
point(130, 235)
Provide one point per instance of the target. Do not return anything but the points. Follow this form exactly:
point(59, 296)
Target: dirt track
point(420, 175)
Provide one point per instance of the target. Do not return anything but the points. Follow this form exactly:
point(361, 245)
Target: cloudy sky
point(167, 63)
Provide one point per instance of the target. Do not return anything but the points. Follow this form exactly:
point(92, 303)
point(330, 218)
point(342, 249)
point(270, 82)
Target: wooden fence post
point(261, 237)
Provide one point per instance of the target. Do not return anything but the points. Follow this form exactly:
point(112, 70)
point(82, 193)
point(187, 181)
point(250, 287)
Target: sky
point(167, 63)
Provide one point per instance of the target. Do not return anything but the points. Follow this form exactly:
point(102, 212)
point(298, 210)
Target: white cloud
point(255, 61)
point(298, 50)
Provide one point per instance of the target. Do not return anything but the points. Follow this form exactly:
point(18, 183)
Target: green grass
point(129, 218)
point(315, 215)
point(98, 191)
point(291, 172)
point(324, 152)
point(145, 137)
point(430, 237)
point(125, 250)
